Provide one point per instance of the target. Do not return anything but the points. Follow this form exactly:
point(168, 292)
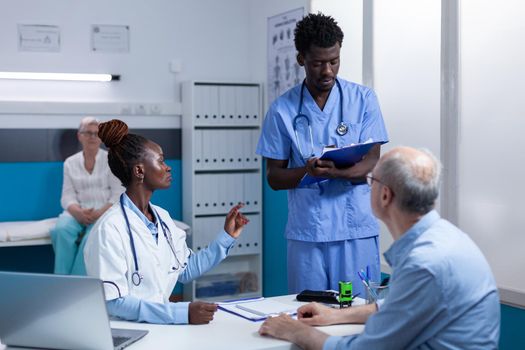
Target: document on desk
point(257, 309)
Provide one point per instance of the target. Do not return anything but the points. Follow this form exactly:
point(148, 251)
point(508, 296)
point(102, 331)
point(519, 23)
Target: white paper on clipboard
point(257, 309)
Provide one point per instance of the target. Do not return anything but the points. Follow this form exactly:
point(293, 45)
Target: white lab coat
point(108, 255)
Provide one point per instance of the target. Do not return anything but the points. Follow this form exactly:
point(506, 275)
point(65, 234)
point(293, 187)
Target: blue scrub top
point(333, 210)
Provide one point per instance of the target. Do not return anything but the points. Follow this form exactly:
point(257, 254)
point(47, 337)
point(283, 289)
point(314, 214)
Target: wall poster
point(283, 70)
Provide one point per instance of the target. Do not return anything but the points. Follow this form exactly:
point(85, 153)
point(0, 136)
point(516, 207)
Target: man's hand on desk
point(315, 314)
point(301, 333)
point(286, 328)
point(200, 312)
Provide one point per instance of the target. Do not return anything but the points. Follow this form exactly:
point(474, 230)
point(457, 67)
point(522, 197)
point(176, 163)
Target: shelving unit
point(220, 128)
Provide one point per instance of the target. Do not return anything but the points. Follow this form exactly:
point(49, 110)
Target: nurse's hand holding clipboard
point(327, 169)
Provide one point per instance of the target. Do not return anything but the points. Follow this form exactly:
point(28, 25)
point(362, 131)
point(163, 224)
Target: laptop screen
point(54, 311)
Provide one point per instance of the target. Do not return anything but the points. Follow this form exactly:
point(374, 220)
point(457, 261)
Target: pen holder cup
point(376, 292)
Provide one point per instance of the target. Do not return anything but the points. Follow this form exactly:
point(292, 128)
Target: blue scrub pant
point(320, 266)
point(69, 257)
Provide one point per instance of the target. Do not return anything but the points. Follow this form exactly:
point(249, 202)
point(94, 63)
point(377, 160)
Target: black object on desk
point(320, 296)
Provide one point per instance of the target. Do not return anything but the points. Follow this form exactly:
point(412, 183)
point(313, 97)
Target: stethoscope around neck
point(341, 129)
point(136, 277)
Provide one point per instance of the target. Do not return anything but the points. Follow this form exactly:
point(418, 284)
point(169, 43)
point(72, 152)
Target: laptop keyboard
point(119, 340)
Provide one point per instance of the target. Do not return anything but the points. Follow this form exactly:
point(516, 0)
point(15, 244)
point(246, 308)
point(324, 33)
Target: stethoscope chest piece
point(342, 129)
point(136, 278)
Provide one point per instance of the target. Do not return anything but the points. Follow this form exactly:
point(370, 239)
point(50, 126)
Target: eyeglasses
point(89, 133)
point(370, 179)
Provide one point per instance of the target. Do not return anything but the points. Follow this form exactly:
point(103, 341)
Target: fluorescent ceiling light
point(58, 76)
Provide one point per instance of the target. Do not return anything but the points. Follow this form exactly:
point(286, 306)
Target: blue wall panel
point(30, 191)
point(512, 328)
point(274, 243)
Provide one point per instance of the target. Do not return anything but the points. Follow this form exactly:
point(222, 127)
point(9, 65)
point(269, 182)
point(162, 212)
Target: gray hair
point(414, 177)
point(87, 121)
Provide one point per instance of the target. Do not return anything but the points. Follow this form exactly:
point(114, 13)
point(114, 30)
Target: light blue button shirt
point(150, 225)
point(133, 309)
point(334, 210)
point(442, 295)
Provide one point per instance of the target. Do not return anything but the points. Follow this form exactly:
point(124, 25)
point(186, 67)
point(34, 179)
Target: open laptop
point(58, 312)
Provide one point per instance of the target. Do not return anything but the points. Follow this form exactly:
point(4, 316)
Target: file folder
point(198, 159)
point(211, 105)
point(342, 157)
point(199, 104)
point(227, 105)
point(253, 104)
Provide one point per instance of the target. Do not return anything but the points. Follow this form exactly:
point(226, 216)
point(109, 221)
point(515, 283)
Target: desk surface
point(225, 332)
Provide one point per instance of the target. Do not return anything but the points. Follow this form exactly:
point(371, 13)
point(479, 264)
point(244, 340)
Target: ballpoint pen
point(366, 275)
point(362, 277)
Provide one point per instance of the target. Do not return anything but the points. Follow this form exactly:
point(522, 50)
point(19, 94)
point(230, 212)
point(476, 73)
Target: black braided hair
point(125, 149)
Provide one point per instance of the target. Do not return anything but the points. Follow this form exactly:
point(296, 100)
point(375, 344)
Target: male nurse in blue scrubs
point(331, 232)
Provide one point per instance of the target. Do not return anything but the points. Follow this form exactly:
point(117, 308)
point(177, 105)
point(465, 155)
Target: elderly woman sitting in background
point(89, 189)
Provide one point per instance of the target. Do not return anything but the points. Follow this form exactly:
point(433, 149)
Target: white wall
point(491, 170)
point(210, 38)
point(407, 70)
point(349, 16)
point(406, 47)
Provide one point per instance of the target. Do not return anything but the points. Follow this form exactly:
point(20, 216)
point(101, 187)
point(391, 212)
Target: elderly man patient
point(442, 292)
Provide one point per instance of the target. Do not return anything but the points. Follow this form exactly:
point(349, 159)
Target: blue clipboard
point(342, 157)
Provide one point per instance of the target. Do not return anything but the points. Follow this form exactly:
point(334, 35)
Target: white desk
point(225, 332)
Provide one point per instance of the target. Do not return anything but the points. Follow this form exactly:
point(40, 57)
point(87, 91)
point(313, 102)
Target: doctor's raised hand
point(235, 221)
point(201, 312)
point(136, 248)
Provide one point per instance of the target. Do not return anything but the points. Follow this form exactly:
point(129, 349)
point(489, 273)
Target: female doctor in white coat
point(137, 250)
